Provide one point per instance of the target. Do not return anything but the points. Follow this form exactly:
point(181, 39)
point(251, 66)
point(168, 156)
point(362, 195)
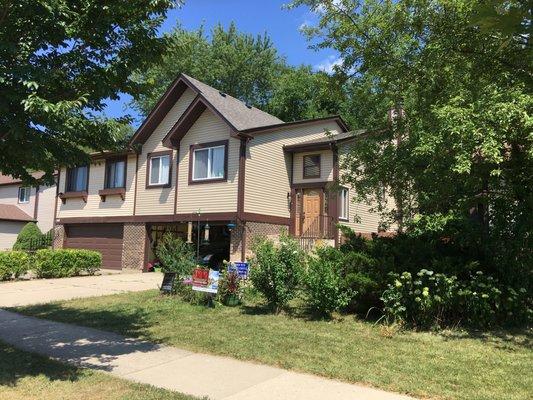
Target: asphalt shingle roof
point(10, 212)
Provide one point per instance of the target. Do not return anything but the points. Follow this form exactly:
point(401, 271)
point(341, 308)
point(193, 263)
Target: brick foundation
point(133, 246)
point(251, 230)
point(59, 237)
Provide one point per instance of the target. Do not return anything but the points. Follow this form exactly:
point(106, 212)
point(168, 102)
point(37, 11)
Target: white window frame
point(344, 206)
point(27, 192)
point(160, 177)
point(209, 161)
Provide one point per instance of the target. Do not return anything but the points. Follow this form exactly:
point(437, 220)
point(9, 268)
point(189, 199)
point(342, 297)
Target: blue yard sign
point(241, 268)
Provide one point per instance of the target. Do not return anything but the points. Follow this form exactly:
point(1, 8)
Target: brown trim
point(111, 154)
point(267, 219)
point(184, 123)
point(310, 185)
point(243, 242)
point(194, 147)
point(113, 160)
point(242, 177)
point(307, 147)
point(149, 156)
point(294, 199)
point(334, 205)
point(73, 195)
point(67, 178)
point(136, 179)
point(216, 216)
point(103, 193)
point(304, 176)
point(163, 106)
point(274, 127)
point(176, 181)
point(36, 204)
point(148, 229)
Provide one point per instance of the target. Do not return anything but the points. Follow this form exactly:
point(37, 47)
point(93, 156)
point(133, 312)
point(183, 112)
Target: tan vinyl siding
point(153, 201)
point(326, 167)
point(45, 208)
point(9, 194)
point(8, 233)
point(268, 168)
point(211, 196)
point(95, 207)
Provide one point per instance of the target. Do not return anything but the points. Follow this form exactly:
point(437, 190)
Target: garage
point(105, 238)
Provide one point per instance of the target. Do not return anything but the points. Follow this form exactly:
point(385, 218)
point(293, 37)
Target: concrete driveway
point(38, 291)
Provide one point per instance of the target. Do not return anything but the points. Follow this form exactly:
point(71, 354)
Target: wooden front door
point(312, 205)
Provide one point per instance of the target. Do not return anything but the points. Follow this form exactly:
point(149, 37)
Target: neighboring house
point(204, 158)
point(20, 204)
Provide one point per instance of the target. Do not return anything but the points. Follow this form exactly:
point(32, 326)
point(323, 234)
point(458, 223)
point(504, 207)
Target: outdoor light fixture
point(231, 226)
point(206, 233)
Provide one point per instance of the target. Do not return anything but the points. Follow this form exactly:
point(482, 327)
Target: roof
point(235, 112)
point(326, 141)
point(10, 212)
point(9, 180)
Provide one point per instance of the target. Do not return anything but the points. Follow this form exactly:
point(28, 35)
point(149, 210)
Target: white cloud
point(322, 8)
point(328, 65)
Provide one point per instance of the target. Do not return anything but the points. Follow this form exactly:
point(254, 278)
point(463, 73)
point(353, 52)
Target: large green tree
point(59, 61)
point(459, 159)
point(245, 66)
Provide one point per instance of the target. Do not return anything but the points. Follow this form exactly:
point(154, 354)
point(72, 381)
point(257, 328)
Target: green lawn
point(26, 376)
point(454, 365)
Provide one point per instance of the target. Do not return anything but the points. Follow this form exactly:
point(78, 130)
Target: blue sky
point(250, 16)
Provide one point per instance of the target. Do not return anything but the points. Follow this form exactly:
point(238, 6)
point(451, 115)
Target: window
point(115, 173)
point(209, 163)
point(344, 204)
point(312, 166)
point(159, 169)
point(24, 194)
point(77, 179)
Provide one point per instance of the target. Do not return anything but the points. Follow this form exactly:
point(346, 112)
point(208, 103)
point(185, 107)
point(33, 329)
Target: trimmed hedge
point(13, 264)
point(30, 237)
point(62, 263)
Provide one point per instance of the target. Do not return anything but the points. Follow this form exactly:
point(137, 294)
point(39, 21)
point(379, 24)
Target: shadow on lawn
point(16, 365)
point(505, 339)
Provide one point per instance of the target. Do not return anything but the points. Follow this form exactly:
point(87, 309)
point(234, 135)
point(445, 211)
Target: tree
point(59, 62)
point(30, 237)
point(246, 67)
point(459, 158)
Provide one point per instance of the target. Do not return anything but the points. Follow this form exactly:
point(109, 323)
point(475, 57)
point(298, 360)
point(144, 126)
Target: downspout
point(240, 193)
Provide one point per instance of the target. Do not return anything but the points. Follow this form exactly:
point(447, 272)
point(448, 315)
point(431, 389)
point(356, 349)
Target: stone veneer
point(59, 237)
point(133, 246)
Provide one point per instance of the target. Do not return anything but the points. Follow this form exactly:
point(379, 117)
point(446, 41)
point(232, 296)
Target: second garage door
point(105, 238)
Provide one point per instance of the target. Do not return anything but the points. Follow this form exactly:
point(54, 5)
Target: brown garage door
point(105, 238)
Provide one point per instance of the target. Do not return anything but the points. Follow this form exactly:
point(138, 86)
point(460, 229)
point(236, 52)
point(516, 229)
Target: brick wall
point(133, 247)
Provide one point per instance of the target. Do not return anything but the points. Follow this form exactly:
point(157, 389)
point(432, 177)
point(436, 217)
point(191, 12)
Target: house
point(20, 204)
point(214, 170)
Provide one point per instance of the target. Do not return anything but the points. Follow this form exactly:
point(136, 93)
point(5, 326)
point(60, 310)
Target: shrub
point(30, 237)
point(229, 287)
point(325, 287)
point(276, 270)
point(13, 264)
point(436, 300)
point(63, 263)
point(175, 255)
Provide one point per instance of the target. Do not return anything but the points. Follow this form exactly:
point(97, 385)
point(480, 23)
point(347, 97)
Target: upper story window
point(209, 162)
point(77, 179)
point(24, 195)
point(344, 205)
point(159, 165)
point(115, 173)
point(312, 166)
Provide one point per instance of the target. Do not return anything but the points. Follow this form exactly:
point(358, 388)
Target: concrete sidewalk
point(171, 368)
point(22, 293)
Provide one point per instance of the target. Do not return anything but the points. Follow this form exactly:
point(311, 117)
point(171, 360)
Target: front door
point(311, 213)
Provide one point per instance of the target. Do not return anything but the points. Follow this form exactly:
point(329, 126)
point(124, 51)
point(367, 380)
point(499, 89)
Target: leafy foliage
point(62, 263)
point(275, 270)
point(325, 287)
point(29, 237)
point(13, 264)
point(246, 67)
point(175, 255)
point(59, 61)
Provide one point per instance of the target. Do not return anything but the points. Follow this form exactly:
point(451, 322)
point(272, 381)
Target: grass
point(452, 365)
point(27, 376)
